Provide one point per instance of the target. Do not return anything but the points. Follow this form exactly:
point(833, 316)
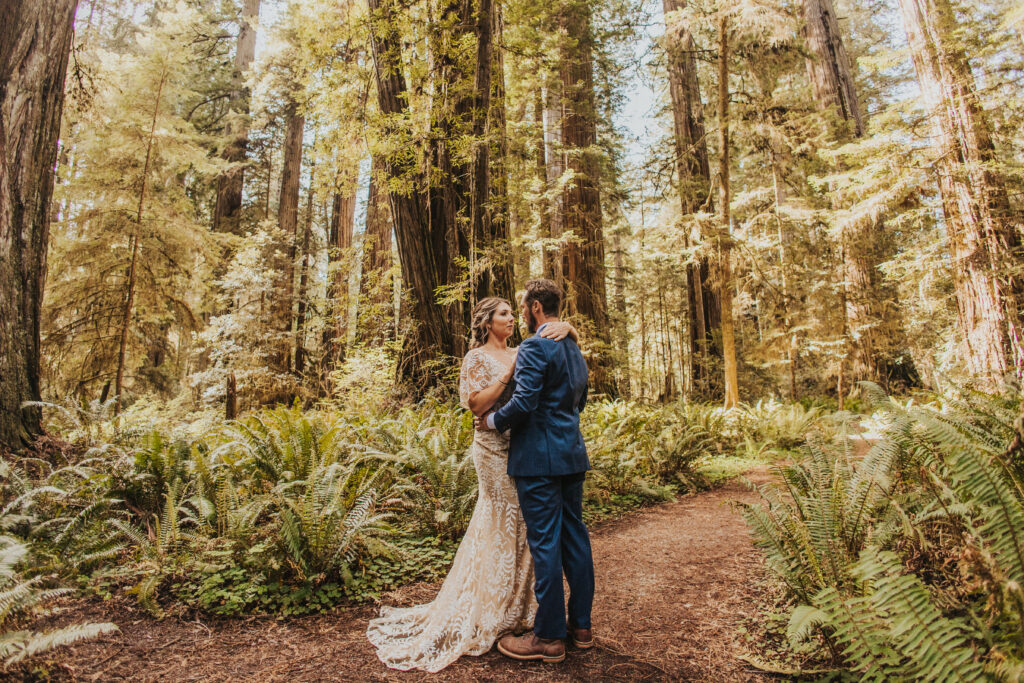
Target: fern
point(936, 647)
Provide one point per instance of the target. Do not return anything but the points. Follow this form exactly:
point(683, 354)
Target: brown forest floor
point(673, 583)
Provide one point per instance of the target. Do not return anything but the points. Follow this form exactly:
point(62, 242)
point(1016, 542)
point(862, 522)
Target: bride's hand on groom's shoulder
point(557, 330)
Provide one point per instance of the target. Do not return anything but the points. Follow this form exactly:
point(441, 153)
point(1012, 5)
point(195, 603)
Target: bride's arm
point(481, 401)
point(559, 330)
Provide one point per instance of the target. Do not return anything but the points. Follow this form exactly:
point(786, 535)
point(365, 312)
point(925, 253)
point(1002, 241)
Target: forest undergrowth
point(904, 561)
point(288, 511)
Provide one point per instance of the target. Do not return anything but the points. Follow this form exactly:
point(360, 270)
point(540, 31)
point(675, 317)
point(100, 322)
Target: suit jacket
point(544, 411)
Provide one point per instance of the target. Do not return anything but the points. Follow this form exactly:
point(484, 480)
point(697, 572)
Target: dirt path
point(673, 581)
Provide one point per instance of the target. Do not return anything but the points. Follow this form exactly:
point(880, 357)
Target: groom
point(548, 460)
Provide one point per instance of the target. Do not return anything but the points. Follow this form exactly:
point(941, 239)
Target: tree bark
point(694, 173)
point(300, 316)
point(828, 66)
point(422, 252)
point(583, 260)
point(231, 398)
point(230, 183)
point(874, 329)
point(288, 217)
point(554, 154)
point(375, 283)
point(621, 323)
point(490, 211)
point(984, 230)
point(35, 38)
point(547, 256)
point(340, 260)
point(732, 393)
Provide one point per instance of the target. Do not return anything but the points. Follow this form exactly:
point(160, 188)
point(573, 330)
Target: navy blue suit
point(548, 460)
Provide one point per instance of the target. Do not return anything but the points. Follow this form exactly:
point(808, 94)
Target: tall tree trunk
point(450, 183)
point(541, 167)
point(491, 229)
point(787, 319)
point(229, 184)
point(828, 66)
point(984, 231)
point(620, 324)
point(288, 217)
point(300, 317)
point(874, 328)
point(554, 153)
point(340, 259)
point(732, 391)
point(129, 303)
point(583, 259)
point(375, 284)
point(422, 252)
point(694, 172)
point(35, 38)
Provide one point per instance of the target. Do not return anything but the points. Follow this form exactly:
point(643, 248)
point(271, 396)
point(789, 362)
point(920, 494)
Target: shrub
point(907, 563)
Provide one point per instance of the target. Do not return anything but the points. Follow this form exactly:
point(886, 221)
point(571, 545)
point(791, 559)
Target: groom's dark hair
point(546, 292)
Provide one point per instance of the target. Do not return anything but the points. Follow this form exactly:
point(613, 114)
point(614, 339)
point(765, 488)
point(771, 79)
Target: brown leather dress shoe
point(529, 647)
point(581, 638)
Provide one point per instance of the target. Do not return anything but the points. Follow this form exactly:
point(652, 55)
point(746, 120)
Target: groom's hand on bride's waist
point(484, 422)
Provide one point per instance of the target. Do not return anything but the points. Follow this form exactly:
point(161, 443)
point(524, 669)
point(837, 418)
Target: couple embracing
point(527, 526)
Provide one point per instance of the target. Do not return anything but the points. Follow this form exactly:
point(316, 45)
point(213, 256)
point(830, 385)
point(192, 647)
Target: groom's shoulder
point(537, 344)
point(536, 341)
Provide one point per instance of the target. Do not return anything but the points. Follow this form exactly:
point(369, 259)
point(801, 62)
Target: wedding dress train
point(489, 590)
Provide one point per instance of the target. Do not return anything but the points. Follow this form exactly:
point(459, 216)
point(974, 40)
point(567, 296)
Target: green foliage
point(906, 561)
point(290, 511)
point(21, 598)
point(429, 453)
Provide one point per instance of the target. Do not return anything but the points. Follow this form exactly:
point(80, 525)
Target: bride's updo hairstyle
point(482, 315)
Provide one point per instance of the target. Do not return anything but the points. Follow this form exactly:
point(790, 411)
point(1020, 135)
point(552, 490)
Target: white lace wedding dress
point(489, 590)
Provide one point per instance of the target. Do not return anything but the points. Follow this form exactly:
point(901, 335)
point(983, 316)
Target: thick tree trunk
point(422, 252)
point(828, 66)
point(449, 186)
point(984, 230)
point(288, 218)
point(35, 38)
point(732, 392)
point(491, 229)
point(583, 259)
point(229, 185)
point(694, 172)
point(554, 154)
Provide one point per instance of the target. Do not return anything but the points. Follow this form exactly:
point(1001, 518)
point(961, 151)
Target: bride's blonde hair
point(481, 316)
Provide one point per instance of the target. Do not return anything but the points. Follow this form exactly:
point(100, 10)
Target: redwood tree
point(35, 38)
point(422, 251)
point(229, 185)
point(288, 216)
point(984, 230)
point(583, 259)
point(694, 177)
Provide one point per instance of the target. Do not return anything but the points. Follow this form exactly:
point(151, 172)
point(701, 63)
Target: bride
point(489, 590)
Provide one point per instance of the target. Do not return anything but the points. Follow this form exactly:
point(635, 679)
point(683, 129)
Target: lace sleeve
point(473, 377)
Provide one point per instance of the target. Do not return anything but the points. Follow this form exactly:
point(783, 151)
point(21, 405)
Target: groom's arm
point(531, 363)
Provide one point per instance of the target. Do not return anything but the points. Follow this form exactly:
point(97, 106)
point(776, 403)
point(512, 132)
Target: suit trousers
point(553, 511)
